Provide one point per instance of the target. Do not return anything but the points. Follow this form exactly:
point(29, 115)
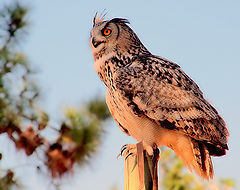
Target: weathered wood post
point(141, 170)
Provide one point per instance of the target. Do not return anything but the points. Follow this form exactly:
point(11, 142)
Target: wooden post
point(140, 170)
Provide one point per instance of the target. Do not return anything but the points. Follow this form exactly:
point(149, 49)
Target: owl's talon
point(128, 150)
point(128, 155)
point(124, 147)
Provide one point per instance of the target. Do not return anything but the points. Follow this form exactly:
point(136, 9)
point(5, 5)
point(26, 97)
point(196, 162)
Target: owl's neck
point(108, 63)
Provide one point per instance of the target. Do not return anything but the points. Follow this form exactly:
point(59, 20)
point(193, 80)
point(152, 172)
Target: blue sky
point(201, 36)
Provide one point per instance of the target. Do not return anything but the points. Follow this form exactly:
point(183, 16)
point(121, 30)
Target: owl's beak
point(96, 43)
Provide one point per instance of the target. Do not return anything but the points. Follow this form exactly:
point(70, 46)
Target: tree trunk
point(140, 170)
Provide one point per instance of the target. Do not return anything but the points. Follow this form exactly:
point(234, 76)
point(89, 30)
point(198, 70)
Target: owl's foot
point(132, 149)
point(143, 152)
point(128, 150)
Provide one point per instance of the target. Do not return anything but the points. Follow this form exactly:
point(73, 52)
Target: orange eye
point(106, 32)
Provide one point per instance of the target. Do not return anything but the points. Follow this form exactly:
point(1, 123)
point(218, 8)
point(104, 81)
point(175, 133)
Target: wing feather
point(160, 90)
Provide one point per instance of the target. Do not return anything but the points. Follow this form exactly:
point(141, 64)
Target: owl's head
point(112, 35)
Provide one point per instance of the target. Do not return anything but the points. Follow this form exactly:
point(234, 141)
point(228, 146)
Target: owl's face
point(109, 35)
point(113, 38)
point(102, 35)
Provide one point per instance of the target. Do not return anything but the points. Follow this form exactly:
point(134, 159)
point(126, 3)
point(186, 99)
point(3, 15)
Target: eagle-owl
point(153, 100)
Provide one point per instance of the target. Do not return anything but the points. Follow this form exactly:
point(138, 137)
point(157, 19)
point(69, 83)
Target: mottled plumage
point(153, 100)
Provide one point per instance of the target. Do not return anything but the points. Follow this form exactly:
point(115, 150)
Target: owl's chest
point(105, 68)
point(140, 128)
point(119, 109)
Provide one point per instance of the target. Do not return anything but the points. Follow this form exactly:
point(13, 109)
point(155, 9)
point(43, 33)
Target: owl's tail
point(202, 162)
point(195, 156)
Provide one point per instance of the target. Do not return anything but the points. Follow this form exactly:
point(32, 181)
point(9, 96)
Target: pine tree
point(22, 119)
